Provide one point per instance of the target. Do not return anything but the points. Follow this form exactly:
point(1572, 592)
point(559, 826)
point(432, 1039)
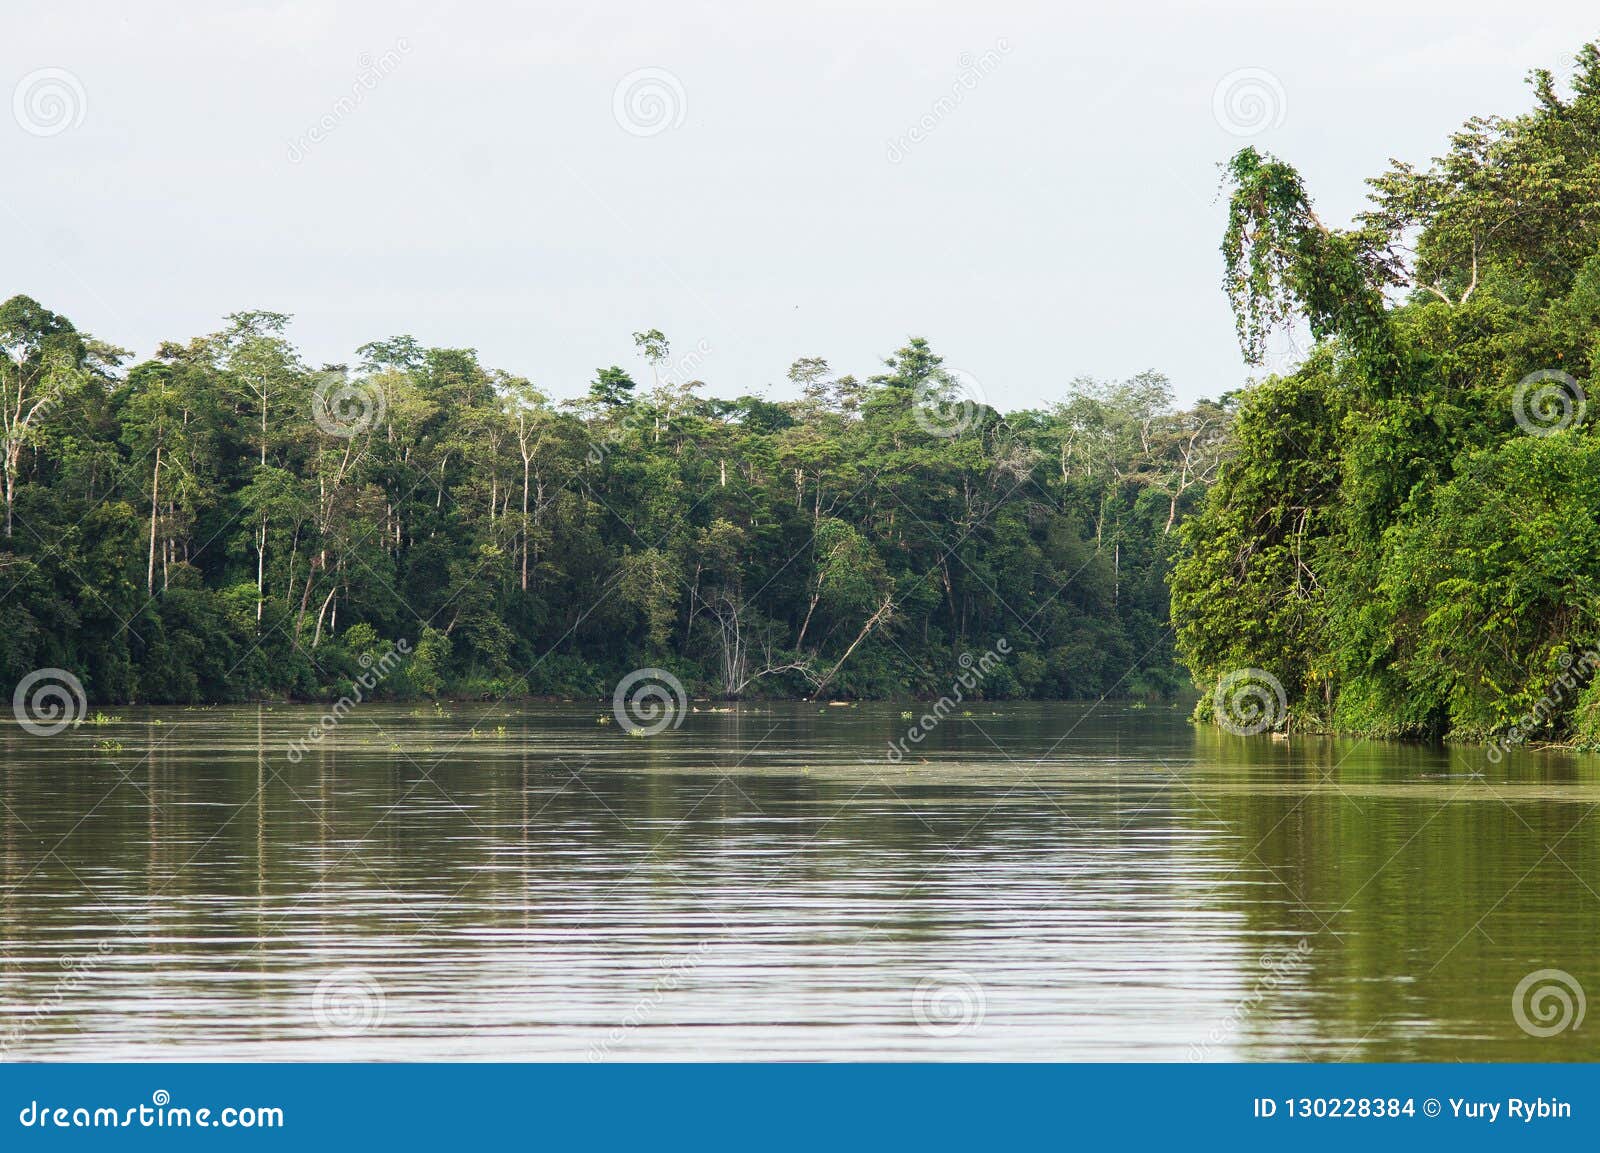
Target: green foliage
point(1404, 534)
point(224, 522)
point(1482, 596)
point(1246, 591)
point(425, 671)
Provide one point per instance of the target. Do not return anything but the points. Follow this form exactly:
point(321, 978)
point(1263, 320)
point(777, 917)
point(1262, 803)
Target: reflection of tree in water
point(1421, 876)
point(1121, 891)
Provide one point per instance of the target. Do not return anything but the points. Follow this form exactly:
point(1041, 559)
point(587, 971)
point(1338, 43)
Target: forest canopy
point(1405, 538)
point(224, 522)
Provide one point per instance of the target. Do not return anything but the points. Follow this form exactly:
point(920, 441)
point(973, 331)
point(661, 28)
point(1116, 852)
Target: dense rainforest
point(225, 522)
point(1406, 537)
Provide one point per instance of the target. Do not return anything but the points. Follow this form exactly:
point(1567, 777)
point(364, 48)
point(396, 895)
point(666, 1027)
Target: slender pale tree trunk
point(316, 638)
point(261, 568)
point(155, 496)
point(524, 524)
point(884, 610)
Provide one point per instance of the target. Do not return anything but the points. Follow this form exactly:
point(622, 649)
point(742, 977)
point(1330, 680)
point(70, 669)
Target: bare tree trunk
point(155, 495)
point(800, 639)
point(316, 638)
point(524, 524)
point(261, 568)
point(305, 602)
point(873, 621)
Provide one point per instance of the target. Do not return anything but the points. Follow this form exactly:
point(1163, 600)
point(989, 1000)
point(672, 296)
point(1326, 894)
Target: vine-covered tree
point(1404, 531)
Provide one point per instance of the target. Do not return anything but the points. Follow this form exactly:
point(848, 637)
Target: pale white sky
point(492, 188)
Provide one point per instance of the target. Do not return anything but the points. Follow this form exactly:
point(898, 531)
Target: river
point(1038, 881)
